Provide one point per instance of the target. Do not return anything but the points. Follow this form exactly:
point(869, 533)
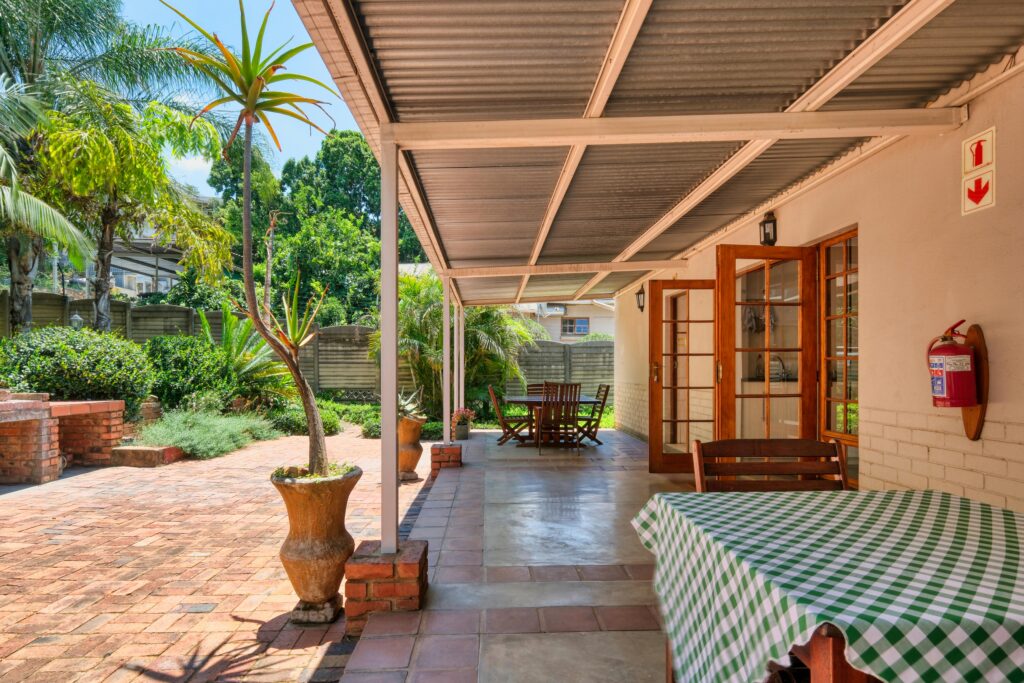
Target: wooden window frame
point(824, 400)
point(574, 333)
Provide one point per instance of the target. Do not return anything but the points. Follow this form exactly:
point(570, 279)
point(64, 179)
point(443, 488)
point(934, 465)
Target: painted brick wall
point(905, 450)
point(631, 408)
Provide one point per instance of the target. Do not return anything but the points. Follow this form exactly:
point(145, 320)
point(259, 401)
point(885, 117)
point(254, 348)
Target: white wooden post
point(446, 364)
point(389, 347)
point(462, 357)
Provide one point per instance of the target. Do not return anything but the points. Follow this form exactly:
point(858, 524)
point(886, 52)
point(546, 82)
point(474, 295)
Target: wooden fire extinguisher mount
point(974, 416)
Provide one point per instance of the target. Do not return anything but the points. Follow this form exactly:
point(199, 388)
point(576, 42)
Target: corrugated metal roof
point(483, 59)
point(964, 39)
point(613, 283)
point(506, 59)
point(488, 203)
point(616, 191)
point(706, 56)
point(784, 163)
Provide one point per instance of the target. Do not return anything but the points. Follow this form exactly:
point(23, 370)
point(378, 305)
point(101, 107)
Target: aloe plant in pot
point(410, 427)
point(316, 496)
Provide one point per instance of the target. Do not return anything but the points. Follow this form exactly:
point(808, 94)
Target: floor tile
point(602, 657)
point(381, 653)
point(444, 676)
point(451, 622)
point(555, 619)
point(627, 618)
point(447, 652)
point(392, 624)
point(507, 574)
point(555, 573)
point(511, 620)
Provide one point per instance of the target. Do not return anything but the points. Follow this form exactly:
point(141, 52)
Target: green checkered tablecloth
point(924, 585)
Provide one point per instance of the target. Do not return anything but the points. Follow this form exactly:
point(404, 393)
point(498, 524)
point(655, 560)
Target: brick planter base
point(442, 456)
point(145, 456)
point(384, 583)
point(89, 430)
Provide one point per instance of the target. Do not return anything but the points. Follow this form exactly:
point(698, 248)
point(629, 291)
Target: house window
point(840, 355)
point(575, 327)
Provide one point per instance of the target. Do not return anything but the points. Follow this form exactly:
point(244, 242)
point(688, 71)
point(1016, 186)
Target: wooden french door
point(766, 349)
point(681, 371)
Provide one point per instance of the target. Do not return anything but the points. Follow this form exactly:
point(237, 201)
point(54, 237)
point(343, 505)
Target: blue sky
point(221, 17)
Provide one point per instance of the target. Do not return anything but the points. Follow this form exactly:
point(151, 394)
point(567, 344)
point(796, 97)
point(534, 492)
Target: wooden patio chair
point(535, 389)
point(769, 465)
point(558, 417)
point(589, 424)
point(511, 428)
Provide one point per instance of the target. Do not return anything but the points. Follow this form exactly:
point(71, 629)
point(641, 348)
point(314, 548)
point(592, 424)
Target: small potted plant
point(461, 421)
point(410, 428)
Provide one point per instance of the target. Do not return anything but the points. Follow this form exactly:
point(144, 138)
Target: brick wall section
point(384, 583)
point(443, 457)
point(89, 430)
point(29, 452)
point(904, 450)
point(631, 409)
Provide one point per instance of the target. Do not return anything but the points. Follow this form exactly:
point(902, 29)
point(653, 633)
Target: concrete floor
point(537, 573)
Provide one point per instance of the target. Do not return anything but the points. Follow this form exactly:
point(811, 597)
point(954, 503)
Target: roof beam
point(646, 130)
point(886, 38)
point(558, 269)
point(626, 30)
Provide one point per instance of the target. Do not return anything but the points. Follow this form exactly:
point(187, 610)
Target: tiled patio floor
point(168, 574)
point(536, 573)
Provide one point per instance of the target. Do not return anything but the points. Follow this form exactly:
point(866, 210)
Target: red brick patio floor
point(170, 574)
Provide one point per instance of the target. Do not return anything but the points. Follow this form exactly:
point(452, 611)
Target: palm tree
point(249, 79)
point(26, 222)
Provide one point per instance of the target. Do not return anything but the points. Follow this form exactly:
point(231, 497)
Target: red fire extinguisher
point(952, 367)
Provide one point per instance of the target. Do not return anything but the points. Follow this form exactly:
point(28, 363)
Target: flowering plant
point(462, 416)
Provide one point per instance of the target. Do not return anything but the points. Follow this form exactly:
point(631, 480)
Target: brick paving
point(170, 574)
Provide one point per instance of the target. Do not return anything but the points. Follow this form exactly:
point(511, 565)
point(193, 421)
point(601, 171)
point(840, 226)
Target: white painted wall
point(923, 266)
point(601, 320)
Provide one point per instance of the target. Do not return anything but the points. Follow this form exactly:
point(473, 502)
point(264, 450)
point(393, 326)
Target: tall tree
point(26, 221)
point(106, 165)
point(251, 81)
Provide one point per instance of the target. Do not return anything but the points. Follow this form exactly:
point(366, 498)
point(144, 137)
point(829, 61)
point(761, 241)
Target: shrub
point(206, 435)
point(357, 413)
point(371, 429)
point(74, 364)
point(291, 419)
point(432, 431)
point(185, 366)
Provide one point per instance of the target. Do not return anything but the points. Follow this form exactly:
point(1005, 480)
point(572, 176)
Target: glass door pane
point(682, 371)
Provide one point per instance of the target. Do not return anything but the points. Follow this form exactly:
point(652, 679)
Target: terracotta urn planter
point(409, 447)
point(318, 544)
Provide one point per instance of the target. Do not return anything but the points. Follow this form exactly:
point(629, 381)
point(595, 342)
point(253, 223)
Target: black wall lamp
point(769, 229)
point(641, 297)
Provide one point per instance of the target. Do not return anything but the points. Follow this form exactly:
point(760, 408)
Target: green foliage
point(258, 376)
point(333, 470)
point(206, 435)
point(370, 429)
point(185, 366)
point(291, 419)
point(73, 364)
point(151, 298)
point(432, 431)
point(357, 413)
point(494, 337)
point(595, 336)
point(192, 291)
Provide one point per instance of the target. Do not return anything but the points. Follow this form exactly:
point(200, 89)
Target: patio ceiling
point(572, 198)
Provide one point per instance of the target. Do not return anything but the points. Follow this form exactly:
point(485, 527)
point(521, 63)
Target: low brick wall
point(29, 452)
point(384, 583)
point(89, 430)
point(145, 456)
point(442, 456)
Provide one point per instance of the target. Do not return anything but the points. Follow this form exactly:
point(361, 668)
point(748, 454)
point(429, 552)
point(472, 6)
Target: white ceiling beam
point(557, 269)
point(886, 38)
point(648, 130)
point(626, 30)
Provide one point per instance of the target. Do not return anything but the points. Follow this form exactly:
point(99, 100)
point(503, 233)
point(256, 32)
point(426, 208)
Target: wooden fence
point(338, 358)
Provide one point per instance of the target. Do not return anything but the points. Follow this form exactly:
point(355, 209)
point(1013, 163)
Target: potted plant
point(316, 496)
point(461, 421)
point(410, 427)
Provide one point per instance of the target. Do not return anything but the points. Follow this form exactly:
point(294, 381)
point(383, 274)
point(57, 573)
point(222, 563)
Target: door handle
point(655, 373)
point(718, 372)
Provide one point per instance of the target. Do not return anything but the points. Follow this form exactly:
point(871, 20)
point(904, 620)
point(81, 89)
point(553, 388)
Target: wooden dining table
point(533, 402)
point(860, 585)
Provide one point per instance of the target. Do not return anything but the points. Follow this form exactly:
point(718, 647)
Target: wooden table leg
point(670, 675)
point(824, 656)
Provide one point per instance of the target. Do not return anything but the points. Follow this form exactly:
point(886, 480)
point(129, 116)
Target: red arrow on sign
point(978, 192)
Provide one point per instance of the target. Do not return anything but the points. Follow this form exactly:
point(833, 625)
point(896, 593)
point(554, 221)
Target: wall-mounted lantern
point(769, 229)
point(641, 297)
point(76, 321)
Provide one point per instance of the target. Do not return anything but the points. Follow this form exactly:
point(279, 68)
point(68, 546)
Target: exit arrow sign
point(978, 172)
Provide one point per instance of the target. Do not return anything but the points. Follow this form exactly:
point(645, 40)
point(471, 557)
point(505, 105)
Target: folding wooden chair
point(769, 465)
point(512, 427)
point(589, 424)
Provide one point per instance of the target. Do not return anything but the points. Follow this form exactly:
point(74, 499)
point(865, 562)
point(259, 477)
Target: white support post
point(446, 364)
point(462, 357)
point(389, 347)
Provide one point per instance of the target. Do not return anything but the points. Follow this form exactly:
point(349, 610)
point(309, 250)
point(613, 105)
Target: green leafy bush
point(291, 419)
point(432, 431)
point(371, 429)
point(357, 413)
point(74, 364)
point(207, 435)
point(185, 366)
